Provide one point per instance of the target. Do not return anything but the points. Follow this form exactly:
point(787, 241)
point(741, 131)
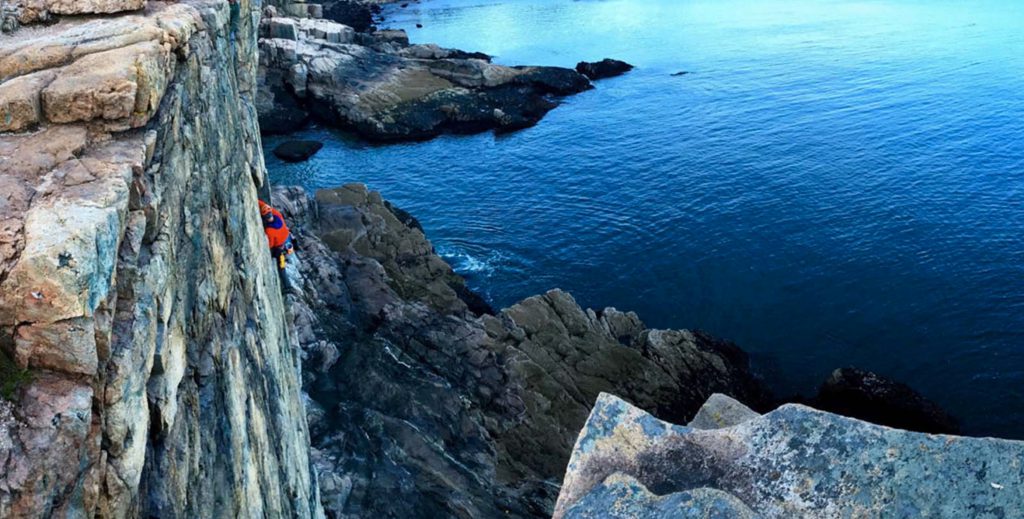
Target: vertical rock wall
point(135, 284)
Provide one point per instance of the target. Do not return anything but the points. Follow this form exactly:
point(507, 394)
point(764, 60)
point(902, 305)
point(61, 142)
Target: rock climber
point(279, 238)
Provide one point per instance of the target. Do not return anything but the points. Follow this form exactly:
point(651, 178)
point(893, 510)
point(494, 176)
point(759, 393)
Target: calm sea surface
point(832, 183)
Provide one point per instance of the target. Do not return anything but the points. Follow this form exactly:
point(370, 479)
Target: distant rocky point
point(374, 82)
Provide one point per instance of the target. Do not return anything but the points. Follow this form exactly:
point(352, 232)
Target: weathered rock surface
point(874, 398)
point(605, 68)
point(380, 86)
point(29, 11)
point(135, 286)
point(792, 462)
point(429, 404)
point(721, 411)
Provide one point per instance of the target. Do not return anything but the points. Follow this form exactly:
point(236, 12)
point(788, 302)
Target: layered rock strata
point(426, 403)
point(135, 286)
point(792, 462)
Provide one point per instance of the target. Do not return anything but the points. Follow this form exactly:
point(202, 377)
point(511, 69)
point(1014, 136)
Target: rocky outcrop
point(605, 68)
point(29, 11)
point(792, 462)
point(874, 398)
point(426, 403)
point(135, 286)
point(380, 86)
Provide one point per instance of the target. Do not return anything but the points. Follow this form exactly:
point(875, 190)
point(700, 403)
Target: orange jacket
point(273, 224)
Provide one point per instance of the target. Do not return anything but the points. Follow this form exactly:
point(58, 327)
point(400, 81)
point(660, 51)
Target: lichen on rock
point(792, 462)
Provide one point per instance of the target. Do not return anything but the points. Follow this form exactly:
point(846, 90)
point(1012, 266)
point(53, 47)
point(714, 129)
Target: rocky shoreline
point(153, 368)
point(419, 389)
point(377, 84)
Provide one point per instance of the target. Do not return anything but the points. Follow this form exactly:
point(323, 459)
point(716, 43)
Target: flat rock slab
point(297, 151)
point(792, 462)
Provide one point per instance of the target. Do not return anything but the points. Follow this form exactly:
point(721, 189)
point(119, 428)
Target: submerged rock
point(867, 396)
point(605, 68)
point(792, 462)
point(297, 151)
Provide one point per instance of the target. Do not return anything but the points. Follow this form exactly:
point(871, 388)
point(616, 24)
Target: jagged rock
point(868, 396)
point(792, 462)
point(279, 110)
point(721, 411)
point(385, 89)
point(605, 68)
point(622, 497)
point(297, 151)
point(439, 410)
point(135, 285)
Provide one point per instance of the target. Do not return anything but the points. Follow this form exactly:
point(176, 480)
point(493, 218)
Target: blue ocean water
point(832, 183)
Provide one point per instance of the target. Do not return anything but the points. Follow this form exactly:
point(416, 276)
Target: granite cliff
point(138, 306)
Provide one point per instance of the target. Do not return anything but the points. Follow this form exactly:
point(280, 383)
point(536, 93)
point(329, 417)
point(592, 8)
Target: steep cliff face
point(135, 286)
point(792, 462)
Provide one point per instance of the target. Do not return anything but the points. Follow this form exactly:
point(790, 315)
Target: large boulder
point(792, 462)
point(297, 150)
